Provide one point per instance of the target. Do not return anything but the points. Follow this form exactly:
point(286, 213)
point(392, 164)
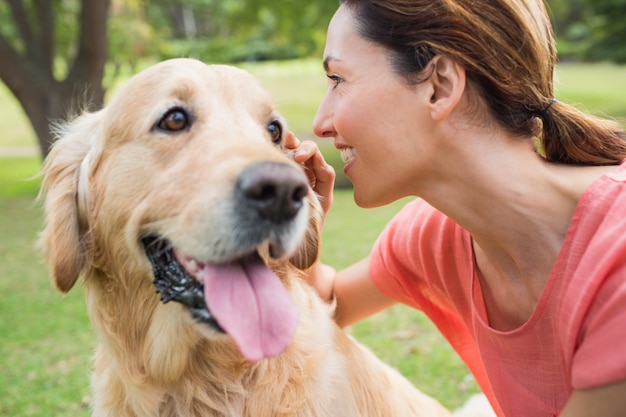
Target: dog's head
point(183, 175)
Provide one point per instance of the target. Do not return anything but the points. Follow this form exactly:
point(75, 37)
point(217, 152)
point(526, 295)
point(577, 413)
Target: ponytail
point(571, 136)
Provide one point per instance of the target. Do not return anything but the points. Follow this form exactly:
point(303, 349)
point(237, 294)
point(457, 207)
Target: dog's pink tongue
point(251, 304)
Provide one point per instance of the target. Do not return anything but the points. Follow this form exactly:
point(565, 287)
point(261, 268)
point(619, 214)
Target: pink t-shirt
point(574, 339)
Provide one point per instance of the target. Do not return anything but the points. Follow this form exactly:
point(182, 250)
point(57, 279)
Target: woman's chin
point(368, 199)
point(372, 197)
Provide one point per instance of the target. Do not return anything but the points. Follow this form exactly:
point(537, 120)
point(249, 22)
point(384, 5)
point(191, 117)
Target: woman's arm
point(606, 401)
point(354, 291)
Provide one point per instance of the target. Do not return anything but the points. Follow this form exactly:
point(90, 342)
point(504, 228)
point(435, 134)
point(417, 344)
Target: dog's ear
point(309, 249)
point(64, 175)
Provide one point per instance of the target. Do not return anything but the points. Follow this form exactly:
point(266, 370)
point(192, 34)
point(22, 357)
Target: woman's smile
point(348, 154)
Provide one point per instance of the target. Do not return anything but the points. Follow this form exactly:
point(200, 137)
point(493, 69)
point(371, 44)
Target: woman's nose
point(323, 121)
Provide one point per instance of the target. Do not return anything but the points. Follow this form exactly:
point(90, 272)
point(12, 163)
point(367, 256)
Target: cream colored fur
point(111, 178)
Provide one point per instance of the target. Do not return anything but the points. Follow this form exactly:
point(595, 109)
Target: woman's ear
point(448, 85)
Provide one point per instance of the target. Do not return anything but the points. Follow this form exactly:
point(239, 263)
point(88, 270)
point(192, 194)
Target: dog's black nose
point(275, 190)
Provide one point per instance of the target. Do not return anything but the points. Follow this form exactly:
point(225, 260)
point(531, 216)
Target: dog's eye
point(276, 131)
point(174, 120)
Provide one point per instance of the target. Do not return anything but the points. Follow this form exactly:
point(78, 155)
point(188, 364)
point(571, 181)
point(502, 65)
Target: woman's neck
point(517, 208)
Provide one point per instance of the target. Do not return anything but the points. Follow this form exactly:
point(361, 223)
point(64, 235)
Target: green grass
point(46, 340)
point(18, 176)
point(597, 88)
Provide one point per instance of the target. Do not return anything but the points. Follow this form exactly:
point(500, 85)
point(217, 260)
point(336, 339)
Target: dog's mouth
point(173, 283)
point(242, 298)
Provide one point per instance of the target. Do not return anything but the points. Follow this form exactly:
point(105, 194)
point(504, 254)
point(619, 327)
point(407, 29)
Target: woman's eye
point(276, 131)
point(174, 120)
point(335, 79)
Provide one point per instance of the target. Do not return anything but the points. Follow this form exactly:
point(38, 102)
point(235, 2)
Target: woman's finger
point(290, 140)
point(320, 174)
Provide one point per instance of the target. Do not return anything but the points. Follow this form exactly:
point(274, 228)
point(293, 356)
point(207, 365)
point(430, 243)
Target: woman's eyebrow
point(327, 61)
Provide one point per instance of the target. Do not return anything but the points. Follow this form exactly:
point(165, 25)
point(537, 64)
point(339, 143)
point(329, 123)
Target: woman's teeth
point(348, 154)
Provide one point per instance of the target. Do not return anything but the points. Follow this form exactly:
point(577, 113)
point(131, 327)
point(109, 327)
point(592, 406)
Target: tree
point(607, 24)
point(45, 75)
point(230, 31)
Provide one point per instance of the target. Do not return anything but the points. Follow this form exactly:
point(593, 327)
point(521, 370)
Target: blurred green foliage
point(255, 30)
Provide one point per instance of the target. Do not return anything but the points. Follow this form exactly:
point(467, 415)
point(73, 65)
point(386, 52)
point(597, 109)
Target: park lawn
point(46, 340)
point(598, 88)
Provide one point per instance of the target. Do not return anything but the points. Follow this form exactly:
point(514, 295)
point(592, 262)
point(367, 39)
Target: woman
point(516, 248)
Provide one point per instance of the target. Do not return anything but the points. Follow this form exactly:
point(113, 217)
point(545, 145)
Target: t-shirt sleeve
point(596, 295)
point(600, 358)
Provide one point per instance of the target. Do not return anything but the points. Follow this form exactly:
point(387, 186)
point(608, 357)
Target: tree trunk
point(29, 73)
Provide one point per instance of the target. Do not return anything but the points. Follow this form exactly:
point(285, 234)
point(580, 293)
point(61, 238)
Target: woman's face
point(379, 122)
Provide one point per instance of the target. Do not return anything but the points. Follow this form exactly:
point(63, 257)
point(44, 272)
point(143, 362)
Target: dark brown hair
point(507, 49)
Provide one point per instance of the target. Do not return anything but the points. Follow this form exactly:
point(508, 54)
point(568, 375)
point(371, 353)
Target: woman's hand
point(321, 175)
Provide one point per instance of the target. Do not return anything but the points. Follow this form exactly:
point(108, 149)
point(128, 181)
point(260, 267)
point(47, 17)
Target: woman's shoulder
point(618, 174)
point(606, 195)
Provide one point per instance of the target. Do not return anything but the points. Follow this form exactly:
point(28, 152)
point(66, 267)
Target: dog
point(191, 228)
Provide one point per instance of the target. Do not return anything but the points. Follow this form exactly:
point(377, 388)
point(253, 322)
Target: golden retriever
point(179, 191)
